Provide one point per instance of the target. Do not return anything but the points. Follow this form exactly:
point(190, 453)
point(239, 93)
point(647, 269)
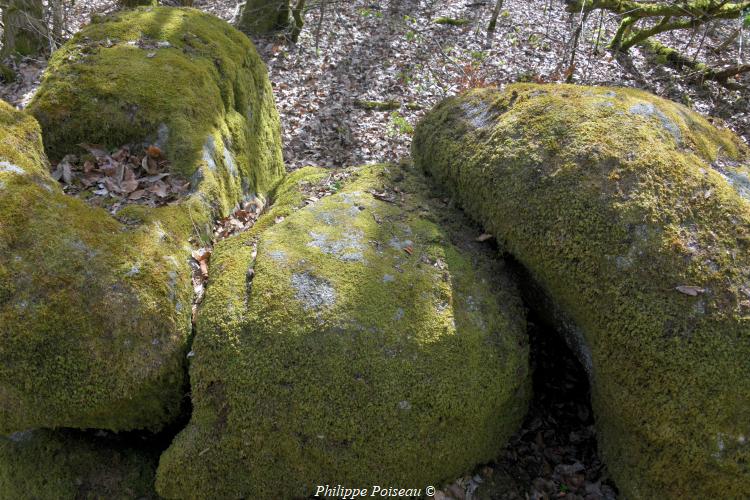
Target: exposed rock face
point(631, 213)
point(95, 311)
point(364, 339)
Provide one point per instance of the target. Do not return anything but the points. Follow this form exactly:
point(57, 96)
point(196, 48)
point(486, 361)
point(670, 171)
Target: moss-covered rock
point(95, 312)
point(631, 213)
point(67, 465)
point(363, 345)
point(175, 77)
point(260, 17)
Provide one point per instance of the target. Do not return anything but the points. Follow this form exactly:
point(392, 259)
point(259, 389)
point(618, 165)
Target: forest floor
point(360, 51)
point(394, 52)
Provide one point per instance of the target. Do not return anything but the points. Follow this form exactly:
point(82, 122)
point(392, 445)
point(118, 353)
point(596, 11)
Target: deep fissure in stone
point(554, 453)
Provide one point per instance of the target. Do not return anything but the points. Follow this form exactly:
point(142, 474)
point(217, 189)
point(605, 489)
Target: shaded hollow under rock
point(554, 454)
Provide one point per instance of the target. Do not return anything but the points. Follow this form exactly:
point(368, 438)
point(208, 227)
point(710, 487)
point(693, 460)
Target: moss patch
point(53, 465)
point(632, 213)
point(363, 345)
point(95, 312)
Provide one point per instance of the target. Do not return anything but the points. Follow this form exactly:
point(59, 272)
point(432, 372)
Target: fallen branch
point(700, 70)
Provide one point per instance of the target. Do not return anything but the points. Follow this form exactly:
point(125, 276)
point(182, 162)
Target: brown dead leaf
point(129, 186)
point(150, 165)
point(409, 249)
point(91, 178)
point(157, 177)
point(129, 182)
point(693, 291)
point(154, 152)
point(243, 215)
point(159, 188)
point(111, 185)
point(179, 186)
point(137, 195)
point(121, 154)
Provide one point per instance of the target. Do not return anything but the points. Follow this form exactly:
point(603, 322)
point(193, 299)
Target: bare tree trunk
point(264, 16)
point(574, 48)
point(298, 14)
point(323, 5)
point(25, 32)
point(58, 19)
point(493, 21)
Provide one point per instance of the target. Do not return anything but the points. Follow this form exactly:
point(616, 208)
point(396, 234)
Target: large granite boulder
point(95, 310)
point(365, 339)
point(631, 215)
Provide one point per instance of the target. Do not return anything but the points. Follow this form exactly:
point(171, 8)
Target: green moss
point(179, 78)
point(378, 105)
point(363, 345)
point(451, 22)
point(612, 199)
point(54, 465)
point(7, 75)
point(95, 315)
point(136, 3)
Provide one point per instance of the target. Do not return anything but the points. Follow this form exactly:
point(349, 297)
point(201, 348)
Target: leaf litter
point(112, 180)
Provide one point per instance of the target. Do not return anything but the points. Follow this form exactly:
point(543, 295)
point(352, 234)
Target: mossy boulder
point(95, 311)
point(631, 215)
point(367, 342)
point(67, 464)
point(260, 17)
point(175, 77)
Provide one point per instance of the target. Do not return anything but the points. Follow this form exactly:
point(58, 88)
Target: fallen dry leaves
point(113, 180)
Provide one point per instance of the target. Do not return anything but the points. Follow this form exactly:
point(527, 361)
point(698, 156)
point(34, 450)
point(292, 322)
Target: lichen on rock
point(336, 357)
point(95, 311)
point(630, 213)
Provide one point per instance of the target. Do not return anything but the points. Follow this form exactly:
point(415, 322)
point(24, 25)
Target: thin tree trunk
point(493, 20)
point(574, 48)
point(298, 14)
point(58, 19)
point(25, 32)
point(323, 4)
